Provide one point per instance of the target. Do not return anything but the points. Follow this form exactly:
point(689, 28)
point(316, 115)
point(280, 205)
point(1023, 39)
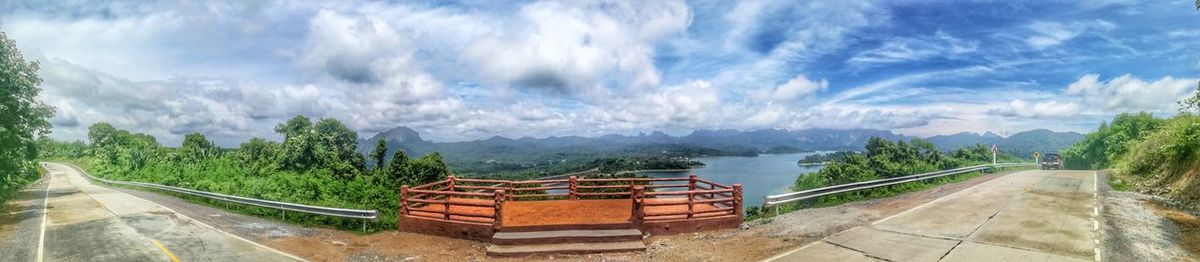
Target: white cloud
point(575, 46)
point(1048, 109)
point(903, 49)
point(1129, 93)
point(1048, 33)
point(797, 87)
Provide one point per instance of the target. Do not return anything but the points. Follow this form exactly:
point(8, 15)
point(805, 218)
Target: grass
point(1119, 183)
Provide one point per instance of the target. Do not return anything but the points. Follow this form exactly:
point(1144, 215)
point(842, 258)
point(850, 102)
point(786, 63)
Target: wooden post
point(404, 200)
point(691, 201)
point(691, 182)
point(637, 194)
point(737, 200)
point(573, 180)
point(499, 205)
point(450, 184)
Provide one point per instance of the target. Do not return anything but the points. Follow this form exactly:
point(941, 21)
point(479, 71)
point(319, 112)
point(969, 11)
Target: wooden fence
point(481, 201)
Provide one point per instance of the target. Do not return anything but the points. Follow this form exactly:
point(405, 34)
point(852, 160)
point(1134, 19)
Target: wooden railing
point(467, 200)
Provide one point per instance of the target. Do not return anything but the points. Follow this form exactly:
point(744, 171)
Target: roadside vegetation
point(1148, 154)
point(882, 159)
point(315, 165)
point(23, 119)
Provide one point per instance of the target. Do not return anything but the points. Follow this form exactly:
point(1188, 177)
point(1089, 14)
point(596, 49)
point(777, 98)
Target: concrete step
point(566, 236)
point(566, 248)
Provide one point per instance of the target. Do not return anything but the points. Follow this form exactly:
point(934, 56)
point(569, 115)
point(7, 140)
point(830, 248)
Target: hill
point(1020, 144)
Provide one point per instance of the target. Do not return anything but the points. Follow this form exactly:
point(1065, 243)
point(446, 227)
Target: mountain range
point(498, 154)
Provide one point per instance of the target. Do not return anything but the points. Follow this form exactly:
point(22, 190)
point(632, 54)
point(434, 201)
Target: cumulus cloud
point(1129, 93)
point(575, 46)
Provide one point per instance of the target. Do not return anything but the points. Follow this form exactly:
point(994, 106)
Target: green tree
point(196, 147)
point(379, 154)
point(23, 119)
point(1191, 104)
point(397, 172)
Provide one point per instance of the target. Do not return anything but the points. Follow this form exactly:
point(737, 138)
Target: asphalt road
point(85, 222)
point(20, 224)
point(1040, 215)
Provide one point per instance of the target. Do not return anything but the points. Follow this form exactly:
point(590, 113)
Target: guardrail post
point(573, 181)
point(499, 206)
point(404, 200)
point(737, 200)
point(638, 195)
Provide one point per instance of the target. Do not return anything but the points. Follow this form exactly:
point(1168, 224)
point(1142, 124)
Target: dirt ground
point(758, 240)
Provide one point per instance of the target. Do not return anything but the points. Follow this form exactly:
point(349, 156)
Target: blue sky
point(474, 69)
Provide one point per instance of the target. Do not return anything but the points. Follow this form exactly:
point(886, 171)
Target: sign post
point(1037, 157)
point(993, 154)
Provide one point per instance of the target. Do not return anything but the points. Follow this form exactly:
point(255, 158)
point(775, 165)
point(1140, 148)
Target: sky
point(465, 70)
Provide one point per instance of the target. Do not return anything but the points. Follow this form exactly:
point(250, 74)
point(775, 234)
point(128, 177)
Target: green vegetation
point(316, 165)
point(883, 159)
point(1100, 149)
point(825, 158)
point(1160, 159)
point(23, 119)
point(1153, 155)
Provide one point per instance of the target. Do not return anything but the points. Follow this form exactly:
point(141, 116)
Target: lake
point(759, 176)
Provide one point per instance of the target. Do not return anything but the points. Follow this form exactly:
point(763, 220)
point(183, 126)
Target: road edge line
point(204, 224)
point(45, 213)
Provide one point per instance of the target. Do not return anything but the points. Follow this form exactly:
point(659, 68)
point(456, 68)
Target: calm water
point(759, 176)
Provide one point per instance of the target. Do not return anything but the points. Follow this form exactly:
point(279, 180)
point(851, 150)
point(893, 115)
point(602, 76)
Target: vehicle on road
point(1051, 161)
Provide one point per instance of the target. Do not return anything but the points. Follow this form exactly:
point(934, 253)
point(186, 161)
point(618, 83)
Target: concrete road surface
point(85, 222)
point(1038, 215)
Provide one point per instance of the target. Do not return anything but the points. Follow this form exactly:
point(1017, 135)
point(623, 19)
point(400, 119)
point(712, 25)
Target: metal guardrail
point(372, 215)
point(773, 200)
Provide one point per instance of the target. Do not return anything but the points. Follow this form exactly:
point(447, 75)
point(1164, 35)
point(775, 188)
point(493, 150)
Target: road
point(1038, 215)
point(85, 222)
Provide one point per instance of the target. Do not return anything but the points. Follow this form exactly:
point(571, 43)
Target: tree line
point(316, 164)
point(882, 158)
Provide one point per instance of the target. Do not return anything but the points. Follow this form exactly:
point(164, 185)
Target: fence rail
point(468, 200)
point(773, 200)
point(316, 210)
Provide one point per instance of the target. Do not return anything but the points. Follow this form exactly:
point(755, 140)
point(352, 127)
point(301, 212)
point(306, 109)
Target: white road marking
point(793, 251)
point(45, 211)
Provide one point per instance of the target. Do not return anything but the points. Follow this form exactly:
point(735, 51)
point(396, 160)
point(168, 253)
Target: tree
point(379, 154)
point(23, 119)
point(196, 147)
point(1191, 104)
point(397, 171)
point(294, 127)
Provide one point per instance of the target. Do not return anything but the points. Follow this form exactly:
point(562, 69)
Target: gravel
point(1133, 232)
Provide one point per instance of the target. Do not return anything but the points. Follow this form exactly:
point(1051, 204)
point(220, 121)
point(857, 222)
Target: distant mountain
point(1019, 144)
point(506, 154)
point(515, 154)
